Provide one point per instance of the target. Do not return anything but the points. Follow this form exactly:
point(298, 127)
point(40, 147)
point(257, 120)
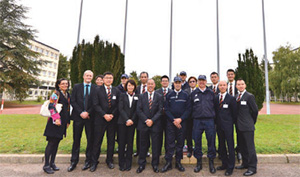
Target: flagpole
point(79, 25)
point(266, 60)
point(171, 35)
point(125, 29)
point(218, 44)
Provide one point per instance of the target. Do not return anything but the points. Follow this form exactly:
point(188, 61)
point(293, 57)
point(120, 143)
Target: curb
point(65, 158)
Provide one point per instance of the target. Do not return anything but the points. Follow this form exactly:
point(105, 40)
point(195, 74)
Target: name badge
point(243, 102)
point(196, 100)
point(225, 105)
point(114, 97)
point(136, 98)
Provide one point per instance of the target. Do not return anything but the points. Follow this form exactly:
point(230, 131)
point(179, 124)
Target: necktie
point(150, 102)
point(221, 101)
point(230, 89)
point(109, 97)
point(86, 97)
point(165, 92)
point(214, 89)
point(144, 88)
point(239, 98)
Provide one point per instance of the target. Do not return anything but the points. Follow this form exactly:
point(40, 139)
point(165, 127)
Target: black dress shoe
point(135, 154)
point(198, 166)
point(54, 167)
point(48, 170)
point(241, 167)
point(93, 167)
point(228, 172)
point(211, 166)
point(128, 169)
point(140, 169)
point(155, 169)
point(121, 168)
point(249, 173)
point(189, 154)
point(148, 154)
point(179, 166)
point(168, 166)
point(110, 165)
point(221, 168)
point(72, 167)
point(86, 166)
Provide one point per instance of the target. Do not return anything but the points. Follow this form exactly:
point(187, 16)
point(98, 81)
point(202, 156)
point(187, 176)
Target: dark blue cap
point(177, 79)
point(201, 77)
point(124, 75)
point(182, 73)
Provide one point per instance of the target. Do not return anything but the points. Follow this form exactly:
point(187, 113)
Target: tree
point(249, 70)
point(285, 77)
point(157, 81)
point(63, 67)
point(16, 59)
point(133, 75)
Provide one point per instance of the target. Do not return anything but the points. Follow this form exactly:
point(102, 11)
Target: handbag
point(45, 111)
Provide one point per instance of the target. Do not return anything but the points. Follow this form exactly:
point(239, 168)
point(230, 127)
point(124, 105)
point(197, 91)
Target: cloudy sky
point(148, 30)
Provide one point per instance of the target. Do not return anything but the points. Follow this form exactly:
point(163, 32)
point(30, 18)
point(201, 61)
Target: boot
point(198, 166)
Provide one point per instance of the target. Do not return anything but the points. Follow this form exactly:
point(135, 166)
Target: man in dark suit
point(232, 90)
point(141, 89)
point(226, 111)
point(189, 122)
point(82, 116)
point(149, 110)
point(106, 113)
point(246, 119)
point(164, 80)
point(177, 109)
point(214, 77)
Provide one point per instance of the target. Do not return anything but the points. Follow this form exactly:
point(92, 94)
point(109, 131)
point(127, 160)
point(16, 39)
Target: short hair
point(240, 79)
point(100, 75)
point(144, 72)
point(132, 82)
point(108, 73)
point(230, 70)
point(215, 73)
point(59, 81)
point(164, 76)
point(88, 71)
point(192, 77)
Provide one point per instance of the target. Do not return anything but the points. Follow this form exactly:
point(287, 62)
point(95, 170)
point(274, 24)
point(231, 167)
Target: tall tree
point(63, 67)
point(285, 77)
point(16, 59)
point(157, 81)
point(249, 70)
point(133, 75)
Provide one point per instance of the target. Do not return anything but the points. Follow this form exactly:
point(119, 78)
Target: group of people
point(174, 115)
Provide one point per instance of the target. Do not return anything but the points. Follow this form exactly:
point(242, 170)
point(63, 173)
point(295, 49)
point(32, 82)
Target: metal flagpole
point(125, 28)
point(171, 30)
point(218, 45)
point(266, 60)
point(78, 34)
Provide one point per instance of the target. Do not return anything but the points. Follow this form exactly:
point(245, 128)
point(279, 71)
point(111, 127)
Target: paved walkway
point(264, 170)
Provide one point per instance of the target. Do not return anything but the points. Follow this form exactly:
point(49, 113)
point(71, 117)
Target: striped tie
point(214, 89)
point(144, 89)
point(230, 89)
point(221, 101)
point(165, 92)
point(239, 98)
point(109, 97)
point(150, 102)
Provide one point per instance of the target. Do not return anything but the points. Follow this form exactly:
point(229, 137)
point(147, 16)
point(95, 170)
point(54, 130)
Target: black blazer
point(217, 91)
point(247, 112)
point(155, 114)
point(53, 130)
point(225, 117)
point(138, 90)
point(125, 111)
point(78, 101)
point(101, 107)
point(160, 91)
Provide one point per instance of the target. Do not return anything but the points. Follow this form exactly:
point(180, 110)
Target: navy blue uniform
point(203, 114)
point(177, 105)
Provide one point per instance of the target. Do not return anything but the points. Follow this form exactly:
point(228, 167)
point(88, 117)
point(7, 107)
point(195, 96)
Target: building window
point(42, 92)
point(36, 48)
point(55, 65)
point(50, 65)
point(36, 92)
point(53, 74)
point(51, 54)
point(44, 73)
point(41, 50)
point(30, 92)
point(49, 74)
point(56, 56)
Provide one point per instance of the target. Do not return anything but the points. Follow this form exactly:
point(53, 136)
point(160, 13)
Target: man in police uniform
point(177, 109)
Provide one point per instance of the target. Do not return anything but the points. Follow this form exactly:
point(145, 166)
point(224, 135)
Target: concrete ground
point(264, 170)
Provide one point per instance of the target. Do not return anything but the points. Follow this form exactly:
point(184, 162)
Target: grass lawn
point(24, 134)
point(10, 103)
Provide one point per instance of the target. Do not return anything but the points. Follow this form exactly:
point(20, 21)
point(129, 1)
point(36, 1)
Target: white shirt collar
point(242, 93)
point(202, 90)
point(177, 92)
point(224, 94)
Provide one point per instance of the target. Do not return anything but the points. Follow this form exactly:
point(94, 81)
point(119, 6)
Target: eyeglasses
point(192, 81)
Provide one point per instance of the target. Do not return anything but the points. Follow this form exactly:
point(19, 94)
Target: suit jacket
point(155, 114)
point(100, 102)
point(217, 91)
point(226, 115)
point(125, 111)
point(138, 90)
point(247, 112)
point(77, 101)
point(188, 91)
point(160, 91)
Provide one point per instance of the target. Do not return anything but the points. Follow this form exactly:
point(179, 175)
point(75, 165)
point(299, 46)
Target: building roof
point(45, 45)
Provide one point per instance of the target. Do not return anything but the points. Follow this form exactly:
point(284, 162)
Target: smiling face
point(164, 82)
point(240, 85)
point(144, 78)
point(222, 86)
point(124, 80)
point(183, 77)
point(214, 78)
point(99, 81)
point(150, 85)
point(230, 76)
point(108, 79)
point(202, 84)
point(63, 86)
point(88, 77)
point(192, 83)
point(177, 85)
point(130, 87)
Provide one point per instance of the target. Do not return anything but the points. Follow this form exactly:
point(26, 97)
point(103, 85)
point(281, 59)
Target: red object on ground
point(281, 109)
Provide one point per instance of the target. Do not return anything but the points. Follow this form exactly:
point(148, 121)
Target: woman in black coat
point(126, 124)
point(57, 124)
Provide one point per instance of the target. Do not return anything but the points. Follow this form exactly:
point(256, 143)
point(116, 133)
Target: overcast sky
point(148, 30)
